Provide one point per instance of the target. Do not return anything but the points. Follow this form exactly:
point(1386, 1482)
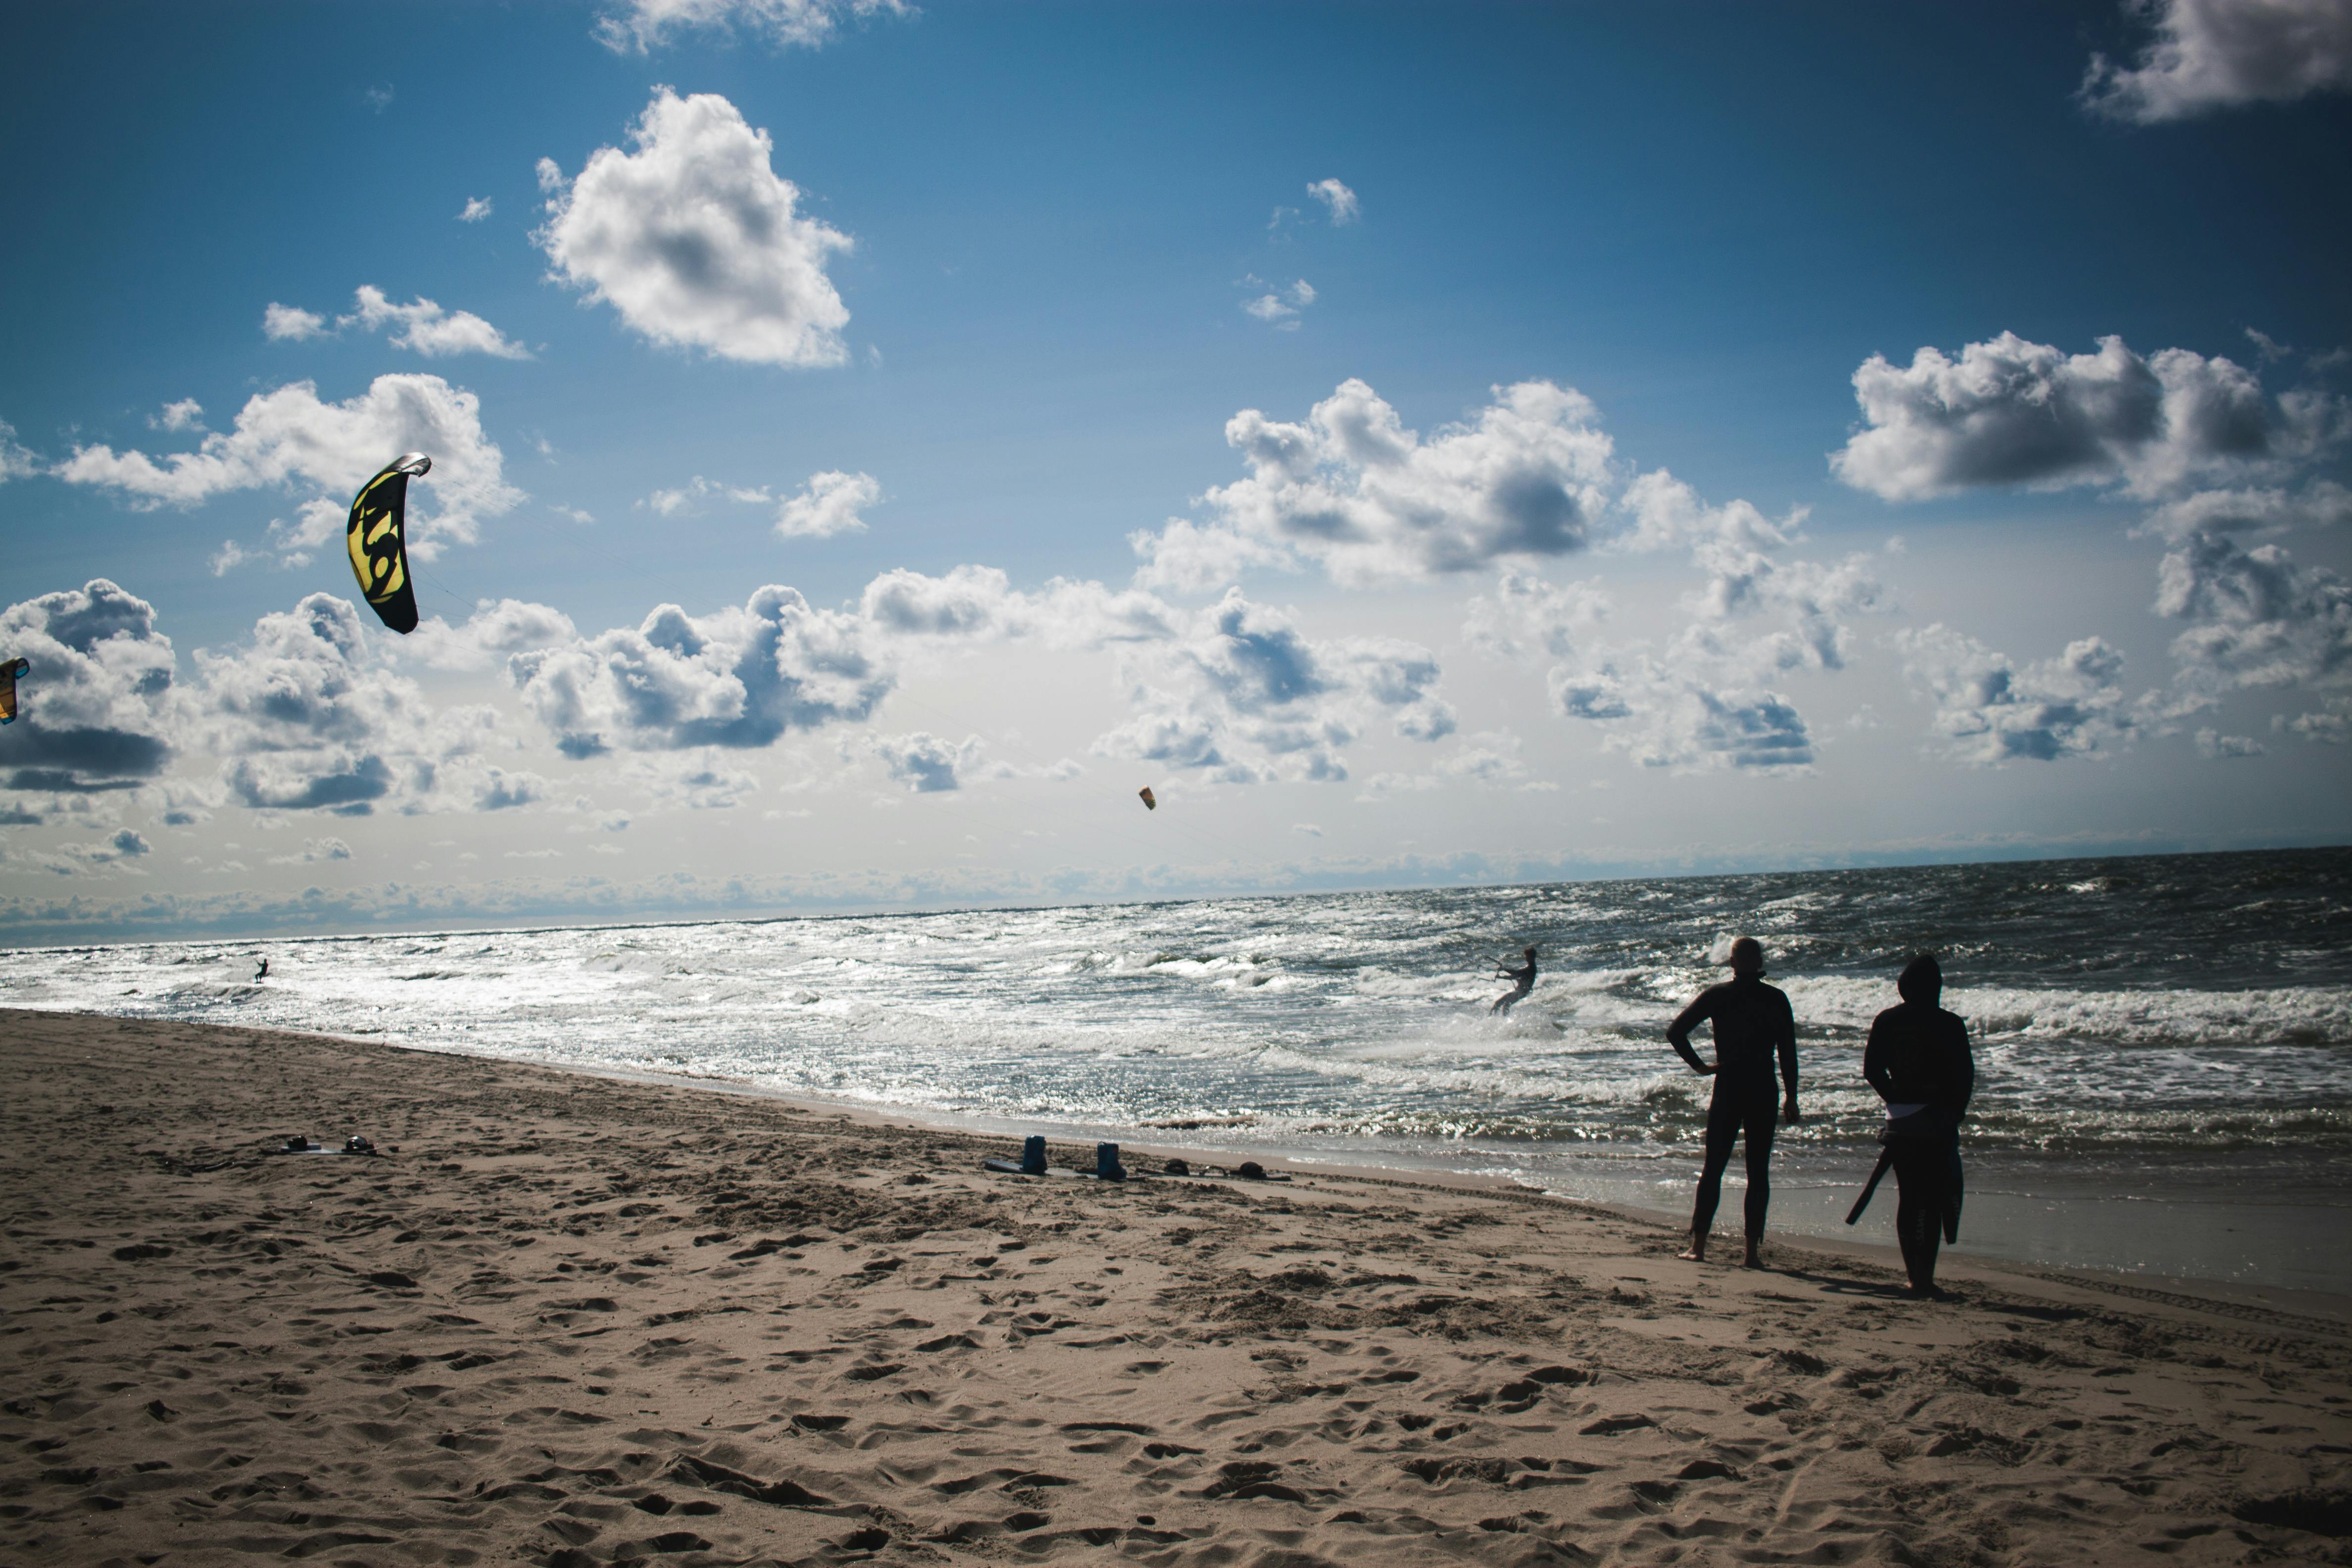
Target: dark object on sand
point(358, 1143)
point(1250, 1171)
point(1033, 1159)
point(1176, 1168)
point(297, 1143)
point(1107, 1165)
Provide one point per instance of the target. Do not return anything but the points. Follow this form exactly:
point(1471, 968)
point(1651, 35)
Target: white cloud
point(1706, 698)
point(1353, 491)
point(496, 630)
point(2321, 503)
point(1243, 696)
point(2259, 619)
point(314, 851)
point(428, 330)
point(734, 679)
point(638, 26)
point(477, 208)
point(925, 763)
point(1279, 309)
point(828, 504)
point(688, 499)
point(290, 323)
point(16, 462)
point(2010, 411)
point(2221, 53)
point(229, 557)
point(98, 709)
point(307, 719)
point(289, 436)
point(1989, 710)
point(1337, 199)
point(187, 413)
point(695, 240)
point(2214, 746)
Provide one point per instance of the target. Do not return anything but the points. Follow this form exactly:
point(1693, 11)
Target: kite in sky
point(1144, 794)
point(9, 671)
point(379, 542)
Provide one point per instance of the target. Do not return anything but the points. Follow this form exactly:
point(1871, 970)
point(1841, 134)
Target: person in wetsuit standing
point(1917, 1059)
point(1523, 979)
point(1753, 1026)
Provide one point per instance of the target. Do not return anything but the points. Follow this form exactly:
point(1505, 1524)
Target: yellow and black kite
point(9, 670)
point(1144, 794)
point(378, 541)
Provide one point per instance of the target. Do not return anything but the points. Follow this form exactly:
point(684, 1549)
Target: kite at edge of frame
point(10, 669)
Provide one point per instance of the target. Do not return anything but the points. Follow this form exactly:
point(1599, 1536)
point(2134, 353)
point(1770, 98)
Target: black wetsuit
point(1753, 1026)
point(1525, 982)
point(1919, 1055)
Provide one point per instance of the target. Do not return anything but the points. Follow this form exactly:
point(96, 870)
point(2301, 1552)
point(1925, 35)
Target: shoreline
point(1814, 1205)
point(579, 1320)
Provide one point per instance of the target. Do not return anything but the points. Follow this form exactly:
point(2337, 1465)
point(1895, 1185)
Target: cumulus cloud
point(307, 719)
point(1989, 710)
point(427, 329)
point(2214, 746)
point(1279, 308)
point(828, 504)
point(289, 437)
point(476, 209)
point(1242, 695)
point(925, 763)
point(695, 241)
point(2011, 412)
point(639, 26)
point(734, 679)
point(1708, 698)
point(496, 631)
point(2259, 619)
point(290, 323)
point(2321, 503)
point(2221, 53)
point(187, 413)
point(98, 708)
point(315, 851)
point(1353, 491)
point(1337, 199)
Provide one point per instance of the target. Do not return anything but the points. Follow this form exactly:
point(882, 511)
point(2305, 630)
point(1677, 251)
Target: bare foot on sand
point(1755, 1258)
point(1696, 1252)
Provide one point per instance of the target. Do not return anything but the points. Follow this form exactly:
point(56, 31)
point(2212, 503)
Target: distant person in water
point(1753, 1024)
point(262, 973)
point(1917, 1059)
point(1523, 981)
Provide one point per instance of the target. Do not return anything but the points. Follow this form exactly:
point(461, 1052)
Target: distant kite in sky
point(1144, 794)
point(9, 671)
point(379, 542)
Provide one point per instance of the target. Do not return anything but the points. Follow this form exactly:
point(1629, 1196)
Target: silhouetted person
point(1525, 982)
point(1753, 1024)
point(1917, 1059)
point(262, 973)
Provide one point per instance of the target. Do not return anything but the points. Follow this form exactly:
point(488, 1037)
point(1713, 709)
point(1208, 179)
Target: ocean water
point(2164, 1044)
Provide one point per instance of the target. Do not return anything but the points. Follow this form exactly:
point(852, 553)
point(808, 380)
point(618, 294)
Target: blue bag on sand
point(1107, 1165)
point(1033, 1155)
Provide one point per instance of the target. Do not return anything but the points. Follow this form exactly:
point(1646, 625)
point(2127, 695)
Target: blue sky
point(1487, 442)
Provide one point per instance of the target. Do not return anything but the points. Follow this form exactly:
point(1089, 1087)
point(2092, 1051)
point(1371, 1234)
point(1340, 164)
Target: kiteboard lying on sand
point(299, 1143)
point(1109, 1169)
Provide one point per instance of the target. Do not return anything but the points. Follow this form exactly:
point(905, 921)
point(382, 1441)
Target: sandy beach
point(571, 1320)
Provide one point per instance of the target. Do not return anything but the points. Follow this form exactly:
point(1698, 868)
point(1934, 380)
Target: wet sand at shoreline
point(576, 1320)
